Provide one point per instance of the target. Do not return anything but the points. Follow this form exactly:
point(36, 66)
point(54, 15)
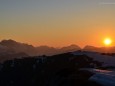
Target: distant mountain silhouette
point(51, 50)
point(70, 48)
point(17, 47)
point(12, 47)
point(99, 49)
point(92, 48)
point(3, 48)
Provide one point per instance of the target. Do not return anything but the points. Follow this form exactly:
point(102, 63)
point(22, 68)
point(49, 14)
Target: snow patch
point(106, 60)
point(103, 77)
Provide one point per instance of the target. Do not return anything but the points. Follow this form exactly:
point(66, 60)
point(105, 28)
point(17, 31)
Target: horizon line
point(56, 47)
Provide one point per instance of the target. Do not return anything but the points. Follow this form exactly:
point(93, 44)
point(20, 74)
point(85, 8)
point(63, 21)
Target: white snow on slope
point(107, 60)
point(103, 77)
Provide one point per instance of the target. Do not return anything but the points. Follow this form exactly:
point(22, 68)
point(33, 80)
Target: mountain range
point(17, 47)
point(10, 48)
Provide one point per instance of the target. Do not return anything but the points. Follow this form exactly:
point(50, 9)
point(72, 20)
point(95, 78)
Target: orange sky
point(58, 23)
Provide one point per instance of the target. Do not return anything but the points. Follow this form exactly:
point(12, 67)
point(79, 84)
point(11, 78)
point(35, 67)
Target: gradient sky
point(57, 22)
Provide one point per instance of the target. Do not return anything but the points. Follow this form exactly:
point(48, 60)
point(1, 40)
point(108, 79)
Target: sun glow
point(107, 41)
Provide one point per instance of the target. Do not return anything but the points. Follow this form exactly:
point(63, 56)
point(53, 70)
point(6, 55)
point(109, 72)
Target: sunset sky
point(58, 22)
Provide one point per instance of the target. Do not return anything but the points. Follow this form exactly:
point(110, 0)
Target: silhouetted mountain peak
point(44, 46)
point(8, 42)
point(73, 46)
point(11, 43)
point(14, 47)
point(89, 47)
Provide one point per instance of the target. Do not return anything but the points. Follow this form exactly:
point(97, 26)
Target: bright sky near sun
point(107, 42)
point(57, 22)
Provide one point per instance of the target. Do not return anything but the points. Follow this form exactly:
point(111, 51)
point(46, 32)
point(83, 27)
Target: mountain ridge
point(31, 50)
point(14, 48)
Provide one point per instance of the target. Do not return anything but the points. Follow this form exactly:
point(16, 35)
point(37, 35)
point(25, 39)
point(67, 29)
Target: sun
point(107, 41)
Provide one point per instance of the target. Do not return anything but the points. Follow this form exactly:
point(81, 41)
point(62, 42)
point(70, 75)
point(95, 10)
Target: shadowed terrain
point(57, 70)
